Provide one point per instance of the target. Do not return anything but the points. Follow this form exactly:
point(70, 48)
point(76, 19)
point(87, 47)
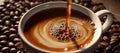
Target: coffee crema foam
point(40, 34)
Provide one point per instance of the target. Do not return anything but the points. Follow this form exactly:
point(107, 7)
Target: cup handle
point(108, 21)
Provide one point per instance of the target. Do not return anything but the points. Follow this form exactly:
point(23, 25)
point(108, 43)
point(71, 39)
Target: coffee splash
point(40, 30)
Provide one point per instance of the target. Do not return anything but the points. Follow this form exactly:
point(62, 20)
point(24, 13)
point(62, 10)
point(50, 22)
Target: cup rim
point(20, 30)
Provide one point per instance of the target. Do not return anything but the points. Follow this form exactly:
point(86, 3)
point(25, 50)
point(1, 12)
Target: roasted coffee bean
point(1, 46)
point(116, 49)
point(114, 43)
point(95, 8)
point(3, 37)
point(12, 36)
point(7, 12)
point(16, 17)
point(11, 44)
point(114, 38)
point(4, 9)
point(2, 15)
point(5, 28)
point(1, 26)
point(5, 49)
point(116, 34)
point(106, 38)
point(12, 8)
point(12, 13)
point(3, 42)
point(17, 40)
point(105, 44)
point(13, 30)
point(13, 50)
point(7, 22)
point(1, 7)
point(85, 4)
point(100, 48)
point(111, 31)
point(7, 32)
point(76, 1)
point(8, 5)
point(1, 22)
point(7, 17)
point(19, 51)
point(19, 45)
point(108, 49)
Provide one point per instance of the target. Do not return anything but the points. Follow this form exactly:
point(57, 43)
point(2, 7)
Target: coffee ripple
point(42, 34)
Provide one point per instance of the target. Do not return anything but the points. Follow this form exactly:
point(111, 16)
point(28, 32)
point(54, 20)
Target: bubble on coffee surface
point(58, 32)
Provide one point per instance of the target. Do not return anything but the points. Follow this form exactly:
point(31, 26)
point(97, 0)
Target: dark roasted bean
point(20, 51)
point(1, 22)
point(11, 44)
point(16, 39)
point(116, 49)
point(13, 30)
point(106, 38)
point(5, 49)
point(95, 8)
point(3, 42)
point(7, 32)
point(19, 45)
point(3, 37)
point(13, 50)
point(7, 17)
point(104, 44)
point(12, 36)
point(7, 22)
point(108, 49)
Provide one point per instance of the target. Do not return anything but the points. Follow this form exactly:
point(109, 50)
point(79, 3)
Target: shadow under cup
point(78, 10)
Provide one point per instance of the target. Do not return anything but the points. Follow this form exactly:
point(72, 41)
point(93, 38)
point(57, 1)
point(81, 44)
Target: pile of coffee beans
point(12, 10)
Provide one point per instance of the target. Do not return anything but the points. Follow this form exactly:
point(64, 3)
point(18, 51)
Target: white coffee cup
point(95, 17)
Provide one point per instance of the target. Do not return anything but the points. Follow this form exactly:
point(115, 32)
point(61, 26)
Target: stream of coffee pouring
point(68, 14)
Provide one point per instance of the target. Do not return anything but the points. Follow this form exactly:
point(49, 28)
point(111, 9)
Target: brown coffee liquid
point(43, 30)
point(68, 14)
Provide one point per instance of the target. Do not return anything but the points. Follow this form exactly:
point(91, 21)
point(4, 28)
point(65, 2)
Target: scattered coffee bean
point(108, 49)
point(20, 51)
point(5, 28)
point(105, 44)
point(7, 23)
point(3, 42)
point(17, 40)
point(114, 43)
point(13, 30)
point(19, 45)
point(12, 36)
point(7, 32)
point(106, 38)
point(13, 50)
point(1, 21)
point(12, 13)
point(6, 17)
point(11, 44)
point(16, 18)
point(3, 37)
point(95, 8)
point(116, 34)
point(5, 49)
point(116, 49)
point(114, 38)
